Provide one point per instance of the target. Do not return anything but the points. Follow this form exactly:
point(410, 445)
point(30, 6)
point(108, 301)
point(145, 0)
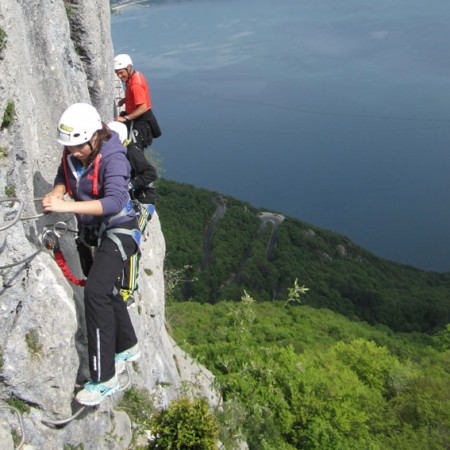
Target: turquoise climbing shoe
point(132, 354)
point(95, 392)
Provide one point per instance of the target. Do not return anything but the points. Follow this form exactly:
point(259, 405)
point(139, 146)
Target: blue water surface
point(333, 112)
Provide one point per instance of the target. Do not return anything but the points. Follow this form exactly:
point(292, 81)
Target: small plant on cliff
point(138, 405)
point(8, 115)
point(21, 407)
point(69, 9)
point(18, 404)
point(79, 50)
point(32, 340)
point(175, 277)
point(73, 447)
point(10, 191)
point(3, 39)
point(3, 152)
point(185, 425)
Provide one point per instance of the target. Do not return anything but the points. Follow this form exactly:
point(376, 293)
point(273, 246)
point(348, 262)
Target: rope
point(62, 422)
point(25, 260)
point(37, 199)
point(30, 257)
point(128, 383)
point(19, 212)
point(19, 416)
point(52, 243)
point(61, 261)
point(59, 423)
point(49, 240)
point(59, 229)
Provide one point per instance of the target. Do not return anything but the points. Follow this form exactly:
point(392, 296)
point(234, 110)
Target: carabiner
point(50, 240)
point(60, 228)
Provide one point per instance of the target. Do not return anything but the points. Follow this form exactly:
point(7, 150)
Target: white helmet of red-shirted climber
point(122, 61)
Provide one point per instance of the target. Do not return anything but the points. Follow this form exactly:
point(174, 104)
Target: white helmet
point(122, 61)
point(120, 128)
point(77, 124)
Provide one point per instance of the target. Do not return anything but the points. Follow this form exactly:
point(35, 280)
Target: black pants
point(142, 133)
point(145, 128)
point(109, 327)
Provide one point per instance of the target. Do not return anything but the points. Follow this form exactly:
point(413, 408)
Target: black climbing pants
point(142, 133)
point(145, 128)
point(109, 327)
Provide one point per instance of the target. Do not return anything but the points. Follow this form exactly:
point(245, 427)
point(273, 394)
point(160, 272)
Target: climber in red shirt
point(138, 115)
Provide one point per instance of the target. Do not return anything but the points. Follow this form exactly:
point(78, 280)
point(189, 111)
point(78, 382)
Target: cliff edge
point(54, 53)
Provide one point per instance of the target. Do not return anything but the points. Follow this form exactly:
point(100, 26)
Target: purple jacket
point(113, 176)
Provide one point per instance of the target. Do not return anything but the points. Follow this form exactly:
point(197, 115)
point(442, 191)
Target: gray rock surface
point(56, 53)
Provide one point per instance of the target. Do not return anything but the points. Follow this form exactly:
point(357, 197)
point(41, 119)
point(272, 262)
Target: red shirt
point(136, 93)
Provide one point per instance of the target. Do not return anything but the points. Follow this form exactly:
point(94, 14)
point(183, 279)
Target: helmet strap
point(130, 72)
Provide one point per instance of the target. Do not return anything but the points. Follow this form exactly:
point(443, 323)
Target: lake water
point(334, 112)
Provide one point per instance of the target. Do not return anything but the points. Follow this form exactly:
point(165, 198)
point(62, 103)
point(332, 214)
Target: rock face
point(54, 53)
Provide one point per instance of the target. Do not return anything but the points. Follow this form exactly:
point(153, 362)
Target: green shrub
point(3, 152)
point(73, 447)
point(3, 39)
point(185, 425)
point(10, 191)
point(138, 406)
point(8, 115)
point(19, 404)
point(69, 9)
point(297, 377)
point(33, 343)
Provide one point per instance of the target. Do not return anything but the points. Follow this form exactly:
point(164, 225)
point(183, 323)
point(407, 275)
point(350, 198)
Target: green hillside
point(296, 377)
point(218, 246)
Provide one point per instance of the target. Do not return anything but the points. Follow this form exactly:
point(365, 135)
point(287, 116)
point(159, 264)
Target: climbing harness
point(128, 280)
point(144, 212)
point(49, 240)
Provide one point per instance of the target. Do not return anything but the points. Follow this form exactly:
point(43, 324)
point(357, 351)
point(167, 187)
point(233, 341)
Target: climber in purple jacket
point(95, 172)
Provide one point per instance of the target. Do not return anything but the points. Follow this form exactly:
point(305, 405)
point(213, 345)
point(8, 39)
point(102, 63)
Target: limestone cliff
point(54, 53)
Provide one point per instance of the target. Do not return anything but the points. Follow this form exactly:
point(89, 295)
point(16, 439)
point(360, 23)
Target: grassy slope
point(323, 381)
